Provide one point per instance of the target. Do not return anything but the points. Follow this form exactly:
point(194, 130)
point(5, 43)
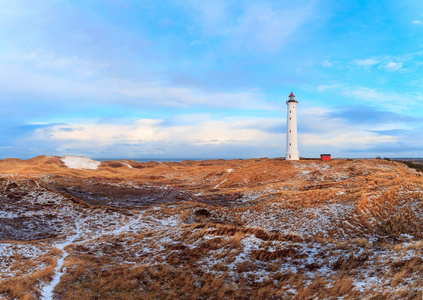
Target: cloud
point(417, 22)
point(269, 28)
point(80, 79)
point(206, 137)
point(26, 129)
point(331, 64)
point(154, 130)
point(393, 149)
point(42, 60)
point(393, 66)
point(392, 132)
point(324, 87)
point(387, 99)
point(203, 136)
point(213, 18)
point(370, 115)
point(365, 62)
point(95, 137)
point(159, 94)
point(404, 62)
point(323, 130)
point(364, 93)
point(386, 62)
point(263, 26)
point(327, 64)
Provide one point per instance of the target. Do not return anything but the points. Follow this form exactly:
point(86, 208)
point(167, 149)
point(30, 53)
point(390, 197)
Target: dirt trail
point(48, 290)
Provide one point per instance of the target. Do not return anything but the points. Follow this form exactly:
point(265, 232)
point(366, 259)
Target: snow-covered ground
point(80, 162)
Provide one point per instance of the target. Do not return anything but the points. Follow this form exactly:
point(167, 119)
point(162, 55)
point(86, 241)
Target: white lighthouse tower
point(291, 129)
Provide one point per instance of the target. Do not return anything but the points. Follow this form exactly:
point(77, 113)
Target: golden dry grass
point(269, 229)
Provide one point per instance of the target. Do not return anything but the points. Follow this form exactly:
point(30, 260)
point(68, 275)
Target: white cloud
point(214, 18)
point(333, 135)
point(331, 64)
point(365, 62)
point(392, 63)
point(73, 76)
point(267, 27)
point(327, 64)
point(151, 137)
point(193, 136)
point(393, 66)
point(43, 60)
point(195, 131)
point(263, 25)
point(323, 87)
point(385, 98)
point(417, 22)
point(157, 93)
point(364, 93)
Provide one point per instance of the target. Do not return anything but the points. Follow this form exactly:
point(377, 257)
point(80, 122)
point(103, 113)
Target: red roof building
point(324, 157)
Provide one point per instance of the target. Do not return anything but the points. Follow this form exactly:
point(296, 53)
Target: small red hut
point(324, 157)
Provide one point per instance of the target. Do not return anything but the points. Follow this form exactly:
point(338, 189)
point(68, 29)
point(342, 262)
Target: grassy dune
point(239, 229)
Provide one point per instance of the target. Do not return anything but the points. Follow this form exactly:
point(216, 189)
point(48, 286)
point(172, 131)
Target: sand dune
point(72, 227)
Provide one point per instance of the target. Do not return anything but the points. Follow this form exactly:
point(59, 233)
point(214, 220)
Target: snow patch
point(47, 291)
point(128, 165)
point(80, 162)
point(220, 183)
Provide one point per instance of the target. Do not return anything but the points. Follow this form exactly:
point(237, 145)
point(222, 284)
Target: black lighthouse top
point(291, 98)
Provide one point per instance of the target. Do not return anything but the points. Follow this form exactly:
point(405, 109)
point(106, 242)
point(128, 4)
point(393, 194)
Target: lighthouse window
point(290, 156)
point(290, 118)
point(289, 111)
point(290, 144)
point(290, 131)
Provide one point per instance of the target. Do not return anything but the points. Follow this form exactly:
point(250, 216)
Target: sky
point(209, 79)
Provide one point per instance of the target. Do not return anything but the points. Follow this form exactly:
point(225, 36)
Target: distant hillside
point(73, 228)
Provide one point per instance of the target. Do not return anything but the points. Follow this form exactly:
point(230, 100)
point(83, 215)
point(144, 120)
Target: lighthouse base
point(292, 156)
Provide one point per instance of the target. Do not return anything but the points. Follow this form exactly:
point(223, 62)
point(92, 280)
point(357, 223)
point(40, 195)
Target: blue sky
point(209, 79)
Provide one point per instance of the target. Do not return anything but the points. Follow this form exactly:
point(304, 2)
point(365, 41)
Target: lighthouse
point(291, 129)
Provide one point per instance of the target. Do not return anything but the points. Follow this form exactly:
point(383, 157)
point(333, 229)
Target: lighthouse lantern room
point(291, 129)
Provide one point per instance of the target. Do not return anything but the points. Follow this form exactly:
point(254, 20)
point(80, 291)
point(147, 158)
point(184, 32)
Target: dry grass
point(25, 287)
point(272, 229)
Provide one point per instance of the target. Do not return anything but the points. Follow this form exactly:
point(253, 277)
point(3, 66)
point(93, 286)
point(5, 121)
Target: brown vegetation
point(241, 229)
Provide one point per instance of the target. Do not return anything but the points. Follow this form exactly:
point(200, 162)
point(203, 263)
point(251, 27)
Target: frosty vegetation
point(240, 229)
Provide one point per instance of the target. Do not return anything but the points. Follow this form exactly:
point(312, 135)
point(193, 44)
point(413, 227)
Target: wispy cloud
point(42, 60)
point(403, 62)
point(392, 132)
point(393, 66)
point(388, 99)
point(331, 64)
point(259, 26)
point(320, 130)
point(146, 134)
point(31, 73)
point(205, 77)
point(366, 62)
point(370, 115)
point(382, 62)
point(324, 87)
point(218, 131)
